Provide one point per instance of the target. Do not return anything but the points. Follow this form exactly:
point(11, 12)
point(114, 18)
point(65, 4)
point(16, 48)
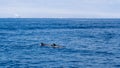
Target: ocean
point(88, 43)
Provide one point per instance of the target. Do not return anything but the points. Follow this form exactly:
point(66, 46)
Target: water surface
point(89, 43)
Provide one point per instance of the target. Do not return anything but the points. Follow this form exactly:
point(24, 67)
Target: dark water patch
point(107, 35)
point(118, 57)
point(104, 53)
point(8, 62)
point(74, 61)
point(118, 66)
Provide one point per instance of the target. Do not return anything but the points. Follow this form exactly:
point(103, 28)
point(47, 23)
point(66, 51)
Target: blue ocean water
point(88, 43)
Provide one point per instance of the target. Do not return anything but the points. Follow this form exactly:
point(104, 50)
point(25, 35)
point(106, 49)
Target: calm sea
point(88, 43)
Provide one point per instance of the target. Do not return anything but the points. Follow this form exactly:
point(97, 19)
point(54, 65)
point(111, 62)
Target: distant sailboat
point(17, 15)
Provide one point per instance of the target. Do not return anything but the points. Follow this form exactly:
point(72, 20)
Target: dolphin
point(51, 45)
point(56, 46)
point(43, 44)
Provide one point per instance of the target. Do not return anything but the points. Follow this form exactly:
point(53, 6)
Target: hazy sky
point(60, 8)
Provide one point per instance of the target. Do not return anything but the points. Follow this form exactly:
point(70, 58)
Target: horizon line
point(63, 17)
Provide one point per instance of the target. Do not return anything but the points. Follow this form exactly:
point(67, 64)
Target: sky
point(60, 8)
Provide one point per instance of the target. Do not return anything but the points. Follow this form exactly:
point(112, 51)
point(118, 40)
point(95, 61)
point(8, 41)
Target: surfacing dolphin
point(52, 45)
point(43, 44)
point(56, 46)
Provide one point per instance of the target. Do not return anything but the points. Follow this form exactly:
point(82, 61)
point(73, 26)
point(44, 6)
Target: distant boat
point(17, 16)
